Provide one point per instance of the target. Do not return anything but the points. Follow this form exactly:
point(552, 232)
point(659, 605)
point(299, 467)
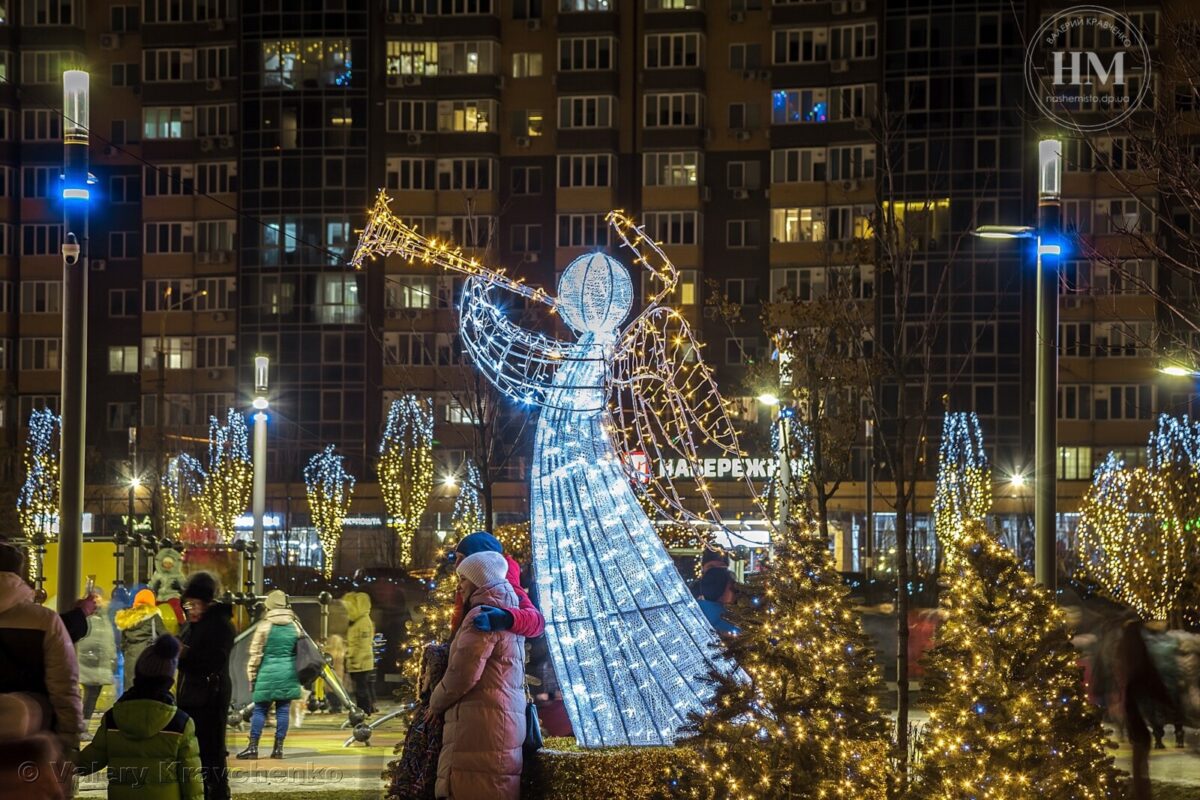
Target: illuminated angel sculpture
point(628, 642)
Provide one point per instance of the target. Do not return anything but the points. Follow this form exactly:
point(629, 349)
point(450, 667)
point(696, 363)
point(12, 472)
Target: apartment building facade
point(239, 144)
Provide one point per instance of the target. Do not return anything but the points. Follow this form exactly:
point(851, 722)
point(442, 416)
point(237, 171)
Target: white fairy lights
point(329, 489)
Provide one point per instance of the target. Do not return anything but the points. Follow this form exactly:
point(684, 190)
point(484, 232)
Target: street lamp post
point(869, 545)
point(258, 501)
point(74, 340)
point(1049, 251)
point(134, 482)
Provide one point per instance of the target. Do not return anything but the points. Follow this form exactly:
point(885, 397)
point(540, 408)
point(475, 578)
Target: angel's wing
point(518, 362)
point(666, 402)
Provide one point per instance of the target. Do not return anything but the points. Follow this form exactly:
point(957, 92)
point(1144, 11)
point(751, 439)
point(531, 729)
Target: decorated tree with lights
point(227, 475)
point(406, 467)
point(467, 516)
point(181, 490)
point(431, 623)
point(37, 499)
point(1134, 542)
point(515, 538)
point(806, 722)
point(963, 491)
point(1009, 717)
point(329, 489)
point(1173, 451)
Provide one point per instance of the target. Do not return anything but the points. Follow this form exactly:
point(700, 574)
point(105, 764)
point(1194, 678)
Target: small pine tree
point(803, 720)
point(434, 624)
point(1008, 716)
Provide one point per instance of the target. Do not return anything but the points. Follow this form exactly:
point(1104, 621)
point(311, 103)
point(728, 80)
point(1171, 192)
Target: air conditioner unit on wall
point(411, 80)
point(213, 84)
point(534, 24)
point(523, 141)
point(839, 65)
point(858, 6)
point(737, 16)
point(741, 194)
point(414, 138)
point(110, 41)
point(213, 374)
point(98, 264)
point(742, 135)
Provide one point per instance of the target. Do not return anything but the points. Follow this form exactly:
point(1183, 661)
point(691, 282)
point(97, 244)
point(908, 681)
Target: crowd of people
point(165, 735)
point(167, 656)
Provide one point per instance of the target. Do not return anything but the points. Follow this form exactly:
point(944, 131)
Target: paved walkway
point(316, 763)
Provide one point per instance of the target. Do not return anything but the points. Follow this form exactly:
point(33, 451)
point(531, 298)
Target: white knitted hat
point(484, 569)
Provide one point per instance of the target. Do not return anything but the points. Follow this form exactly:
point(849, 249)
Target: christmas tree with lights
point(431, 623)
point(1008, 714)
point(803, 720)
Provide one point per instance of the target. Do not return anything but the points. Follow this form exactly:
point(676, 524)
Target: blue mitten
point(493, 619)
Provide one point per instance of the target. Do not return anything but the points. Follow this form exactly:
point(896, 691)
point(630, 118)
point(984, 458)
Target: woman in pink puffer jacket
point(482, 693)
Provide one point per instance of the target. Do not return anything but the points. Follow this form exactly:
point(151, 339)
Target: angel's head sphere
point(595, 294)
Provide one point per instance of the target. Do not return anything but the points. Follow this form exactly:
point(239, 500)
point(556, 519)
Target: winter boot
point(251, 751)
point(277, 751)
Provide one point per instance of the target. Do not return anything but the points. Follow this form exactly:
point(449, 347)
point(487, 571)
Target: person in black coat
point(205, 689)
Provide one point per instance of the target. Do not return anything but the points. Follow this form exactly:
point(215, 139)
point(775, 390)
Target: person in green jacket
point(148, 745)
point(272, 672)
point(360, 649)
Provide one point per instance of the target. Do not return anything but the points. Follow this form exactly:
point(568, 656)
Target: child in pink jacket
point(522, 618)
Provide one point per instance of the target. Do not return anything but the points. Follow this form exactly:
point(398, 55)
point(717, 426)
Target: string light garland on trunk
point(1133, 540)
point(467, 516)
point(181, 489)
point(329, 489)
point(963, 491)
point(227, 476)
point(406, 467)
point(37, 499)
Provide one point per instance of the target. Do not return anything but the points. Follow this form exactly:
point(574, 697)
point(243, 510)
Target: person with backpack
point(147, 743)
point(139, 625)
point(272, 672)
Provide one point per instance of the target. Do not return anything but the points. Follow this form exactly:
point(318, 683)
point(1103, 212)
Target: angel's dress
point(629, 643)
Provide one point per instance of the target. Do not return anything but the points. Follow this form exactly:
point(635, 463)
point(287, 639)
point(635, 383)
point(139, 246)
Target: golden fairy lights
point(181, 489)
point(1008, 715)
point(329, 489)
point(515, 538)
point(1133, 539)
point(807, 723)
point(406, 467)
point(37, 500)
point(228, 475)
